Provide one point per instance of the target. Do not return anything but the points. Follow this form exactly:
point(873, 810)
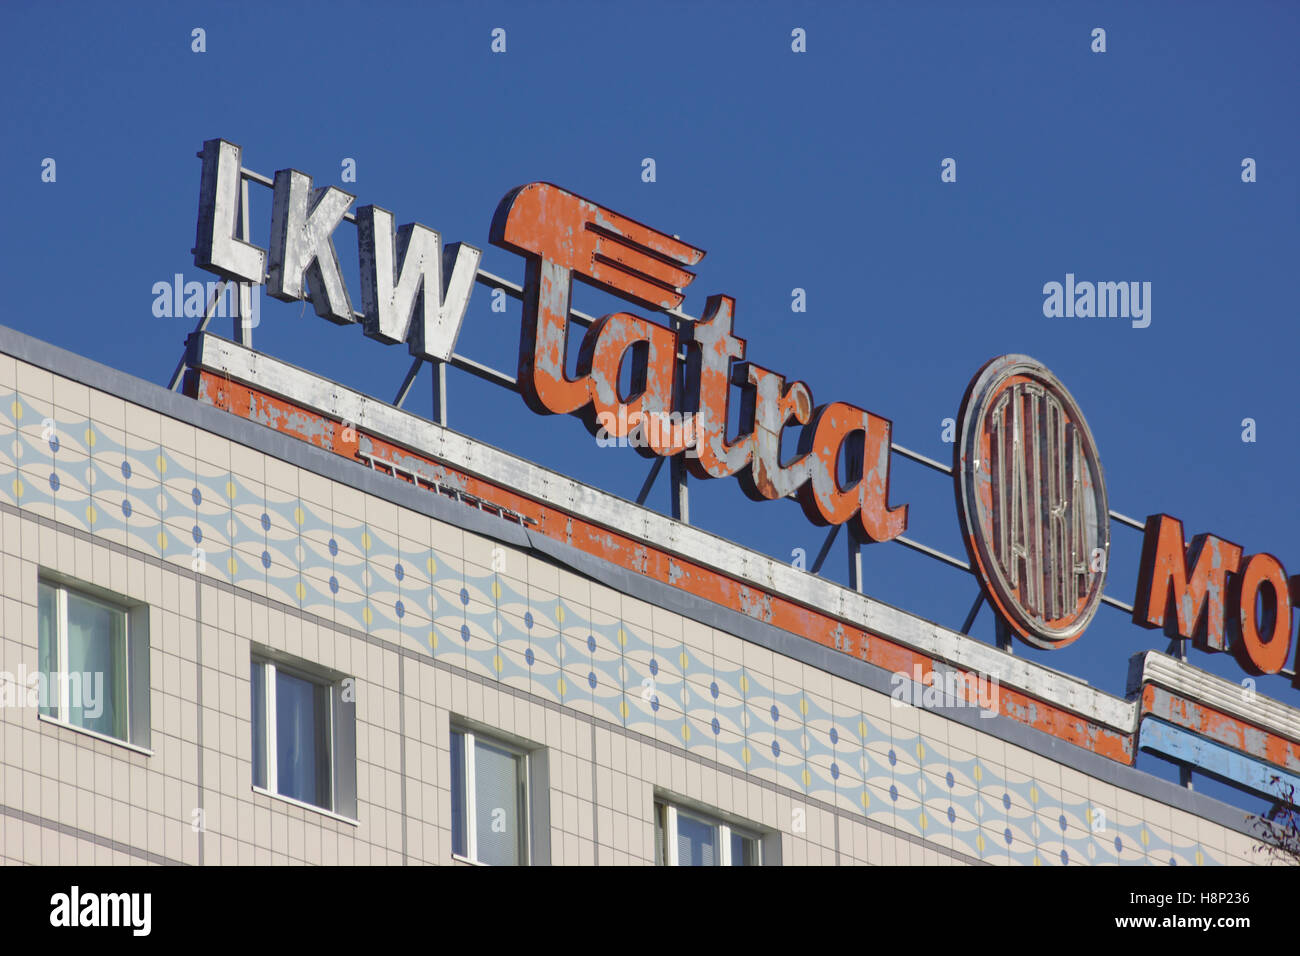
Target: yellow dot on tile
point(866, 799)
point(432, 565)
point(745, 755)
point(497, 663)
point(1145, 836)
point(1037, 860)
point(622, 709)
point(367, 615)
point(90, 438)
point(562, 686)
point(365, 540)
point(230, 490)
point(979, 842)
point(299, 516)
point(162, 465)
point(1033, 794)
point(685, 661)
point(803, 706)
point(744, 684)
point(862, 728)
point(923, 821)
point(232, 565)
point(162, 541)
point(979, 773)
point(18, 487)
point(91, 514)
point(559, 613)
point(686, 731)
point(807, 778)
point(433, 638)
point(17, 410)
point(496, 590)
point(622, 637)
point(300, 590)
point(1200, 858)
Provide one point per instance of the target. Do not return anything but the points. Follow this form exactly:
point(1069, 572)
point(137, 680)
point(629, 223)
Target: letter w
point(403, 271)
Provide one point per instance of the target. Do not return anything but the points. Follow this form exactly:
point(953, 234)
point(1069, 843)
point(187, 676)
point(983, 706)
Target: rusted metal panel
point(1198, 598)
point(1262, 645)
point(1032, 500)
point(684, 556)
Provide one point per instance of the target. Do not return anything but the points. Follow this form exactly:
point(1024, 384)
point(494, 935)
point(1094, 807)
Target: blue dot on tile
point(399, 572)
point(591, 643)
point(126, 469)
point(950, 779)
point(1065, 858)
point(713, 689)
point(835, 736)
point(952, 815)
point(591, 679)
point(835, 770)
point(196, 496)
point(776, 749)
point(893, 793)
point(197, 533)
point(334, 548)
point(266, 521)
point(464, 596)
point(334, 585)
point(126, 508)
point(717, 727)
point(654, 667)
point(893, 758)
point(1006, 835)
point(266, 559)
point(654, 702)
point(529, 657)
point(464, 633)
point(1006, 801)
point(528, 619)
point(1119, 845)
point(54, 481)
point(1061, 822)
point(54, 444)
point(776, 714)
point(400, 608)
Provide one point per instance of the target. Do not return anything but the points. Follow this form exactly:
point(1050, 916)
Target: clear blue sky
point(818, 170)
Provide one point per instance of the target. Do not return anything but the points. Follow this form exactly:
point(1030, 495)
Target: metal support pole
point(681, 498)
point(407, 382)
point(826, 548)
point(439, 391)
point(1004, 636)
point(855, 561)
point(974, 609)
point(649, 481)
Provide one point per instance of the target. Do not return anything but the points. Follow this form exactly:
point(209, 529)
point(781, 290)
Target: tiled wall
point(433, 622)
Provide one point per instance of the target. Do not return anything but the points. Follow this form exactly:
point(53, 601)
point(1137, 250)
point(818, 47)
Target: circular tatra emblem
point(1032, 500)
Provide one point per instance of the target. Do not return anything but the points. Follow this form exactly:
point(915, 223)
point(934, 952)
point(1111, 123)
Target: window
point(490, 786)
point(93, 652)
point(304, 734)
point(686, 837)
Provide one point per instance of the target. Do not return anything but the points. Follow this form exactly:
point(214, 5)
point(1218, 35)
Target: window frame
point(272, 665)
point(135, 661)
point(524, 785)
point(666, 854)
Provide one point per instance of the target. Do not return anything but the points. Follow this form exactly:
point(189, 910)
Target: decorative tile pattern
point(269, 540)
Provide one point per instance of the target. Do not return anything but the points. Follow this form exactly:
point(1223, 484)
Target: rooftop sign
point(1030, 488)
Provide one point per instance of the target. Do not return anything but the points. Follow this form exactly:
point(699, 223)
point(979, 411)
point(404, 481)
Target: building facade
point(300, 626)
